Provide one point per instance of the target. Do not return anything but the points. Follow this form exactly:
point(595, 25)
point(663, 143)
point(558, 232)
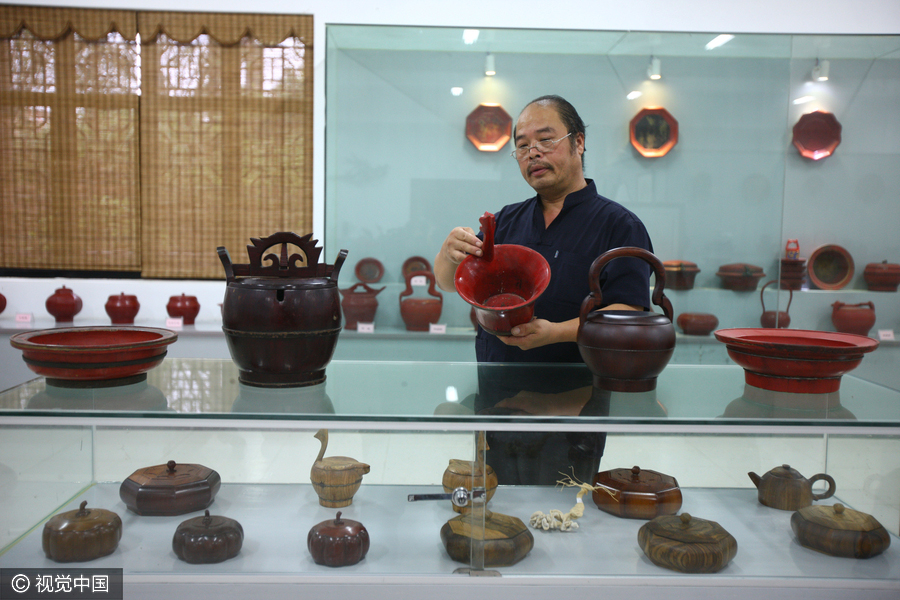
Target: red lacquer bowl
point(79, 354)
point(796, 360)
point(503, 290)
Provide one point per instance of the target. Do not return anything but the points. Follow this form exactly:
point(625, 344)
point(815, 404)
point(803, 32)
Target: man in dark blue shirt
point(570, 224)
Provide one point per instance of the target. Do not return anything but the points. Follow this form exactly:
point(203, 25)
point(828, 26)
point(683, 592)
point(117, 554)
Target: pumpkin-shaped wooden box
point(840, 531)
point(81, 535)
point(208, 539)
point(636, 493)
point(170, 489)
point(687, 544)
point(338, 542)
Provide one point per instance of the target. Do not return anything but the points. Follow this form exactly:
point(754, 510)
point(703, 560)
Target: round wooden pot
point(63, 305)
point(81, 535)
point(338, 542)
point(697, 323)
point(122, 309)
point(208, 539)
point(186, 307)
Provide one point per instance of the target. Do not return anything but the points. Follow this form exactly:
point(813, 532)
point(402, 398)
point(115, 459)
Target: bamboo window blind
point(141, 141)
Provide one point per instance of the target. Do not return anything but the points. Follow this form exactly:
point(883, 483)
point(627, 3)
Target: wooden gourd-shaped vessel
point(625, 349)
point(335, 478)
point(470, 474)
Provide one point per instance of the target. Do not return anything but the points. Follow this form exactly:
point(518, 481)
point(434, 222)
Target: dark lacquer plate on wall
point(90, 354)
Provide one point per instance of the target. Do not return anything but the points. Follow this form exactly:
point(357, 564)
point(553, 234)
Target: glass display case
point(702, 425)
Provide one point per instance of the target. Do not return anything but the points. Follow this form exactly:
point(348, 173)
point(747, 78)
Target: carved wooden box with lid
point(170, 489)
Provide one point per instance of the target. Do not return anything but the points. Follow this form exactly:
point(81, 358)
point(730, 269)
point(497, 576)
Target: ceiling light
point(456, 91)
point(490, 69)
point(634, 94)
point(654, 70)
point(803, 100)
point(820, 71)
point(719, 40)
point(470, 36)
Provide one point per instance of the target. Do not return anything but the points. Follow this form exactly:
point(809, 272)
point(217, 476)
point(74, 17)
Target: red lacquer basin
point(503, 290)
point(93, 353)
point(795, 360)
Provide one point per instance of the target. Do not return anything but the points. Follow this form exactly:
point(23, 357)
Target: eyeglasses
point(542, 146)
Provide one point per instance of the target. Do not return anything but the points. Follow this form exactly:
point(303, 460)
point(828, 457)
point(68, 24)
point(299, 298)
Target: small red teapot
point(772, 319)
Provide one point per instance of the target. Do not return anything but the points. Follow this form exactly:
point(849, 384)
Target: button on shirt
point(587, 226)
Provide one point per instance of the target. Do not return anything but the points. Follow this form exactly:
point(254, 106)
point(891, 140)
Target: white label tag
point(437, 328)
point(23, 320)
point(886, 335)
point(176, 323)
point(419, 280)
point(365, 327)
point(579, 500)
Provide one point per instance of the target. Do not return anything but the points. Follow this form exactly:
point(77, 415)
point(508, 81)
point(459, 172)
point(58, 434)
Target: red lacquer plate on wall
point(489, 127)
point(830, 267)
point(653, 132)
point(72, 356)
point(795, 360)
point(817, 134)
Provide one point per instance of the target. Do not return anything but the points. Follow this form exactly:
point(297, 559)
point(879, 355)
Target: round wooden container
point(338, 542)
point(506, 539)
point(840, 531)
point(740, 277)
point(687, 544)
point(636, 493)
point(170, 489)
point(81, 535)
point(680, 274)
point(208, 539)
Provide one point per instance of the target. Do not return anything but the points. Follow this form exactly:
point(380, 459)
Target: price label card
point(419, 280)
point(24, 320)
point(175, 323)
point(365, 327)
point(886, 335)
point(437, 328)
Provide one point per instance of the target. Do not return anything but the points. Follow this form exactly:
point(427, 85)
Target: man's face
point(556, 171)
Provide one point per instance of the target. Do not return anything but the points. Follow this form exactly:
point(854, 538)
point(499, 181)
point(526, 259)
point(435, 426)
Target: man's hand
point(461, 242)
point(540, 332)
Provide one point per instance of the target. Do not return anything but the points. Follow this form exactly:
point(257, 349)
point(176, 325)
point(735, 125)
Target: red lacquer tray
point(84, 354)
point(795, 360)
point(489, 127)
point(653, 132)
point(830, 267)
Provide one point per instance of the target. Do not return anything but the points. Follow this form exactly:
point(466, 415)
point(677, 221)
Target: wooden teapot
point(785, 488)
point(626, 350)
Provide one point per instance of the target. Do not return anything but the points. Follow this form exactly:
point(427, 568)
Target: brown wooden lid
point(785, 472)
point(82, 520)
point(687, 529)
point(210, 525)
point(170, 475)
point(636, 480)
point(840, 518)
